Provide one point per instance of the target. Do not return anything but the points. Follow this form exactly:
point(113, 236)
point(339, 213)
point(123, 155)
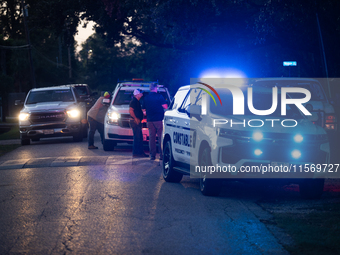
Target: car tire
point(169, 174)
point(108, 145)
point(208, 186)
point(25, 141)
point(78, 137)
point(311, 188)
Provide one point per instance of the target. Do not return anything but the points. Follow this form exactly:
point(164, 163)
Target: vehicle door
point(184, 136)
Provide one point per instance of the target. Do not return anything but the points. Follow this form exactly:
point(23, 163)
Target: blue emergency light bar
point(289, 63)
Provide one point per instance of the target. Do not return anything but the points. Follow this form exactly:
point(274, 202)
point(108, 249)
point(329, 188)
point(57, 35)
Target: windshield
point(125, 96)
point(317, 94)
point(50, 96)
point(81, 90)
point(261, 101)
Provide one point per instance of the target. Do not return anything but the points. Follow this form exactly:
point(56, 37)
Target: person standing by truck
point(95, 118)
point(154, 104)
point(136, 113)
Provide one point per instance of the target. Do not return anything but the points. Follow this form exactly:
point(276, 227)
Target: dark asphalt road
point(119, 205)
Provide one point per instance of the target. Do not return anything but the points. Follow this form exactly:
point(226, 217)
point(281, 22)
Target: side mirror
point(18, 102)
point(194, 111)
point(106, 101)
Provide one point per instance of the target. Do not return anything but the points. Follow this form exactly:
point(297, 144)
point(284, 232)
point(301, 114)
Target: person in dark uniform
point(136, 113)
point(154, 104)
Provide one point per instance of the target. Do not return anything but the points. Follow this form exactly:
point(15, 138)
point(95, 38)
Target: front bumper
point(123, 134)
point(272, 159)
point(49, 130)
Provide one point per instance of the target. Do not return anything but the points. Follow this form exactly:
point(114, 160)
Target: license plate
point(284, 164)
point(145, 137)
point(49, 132)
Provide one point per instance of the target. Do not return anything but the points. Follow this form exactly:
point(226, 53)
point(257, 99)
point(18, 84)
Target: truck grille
point(43, 117)
point(124, 121)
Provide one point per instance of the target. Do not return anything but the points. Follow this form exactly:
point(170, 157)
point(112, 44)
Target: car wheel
point(169, 174)
point(311, 188)
point(208, 186)
point(108, 145)
point(25, 141)
point(78, 137)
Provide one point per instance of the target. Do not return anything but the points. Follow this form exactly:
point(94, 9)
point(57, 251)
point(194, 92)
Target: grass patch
point(8, 148)
point(317, 232)
point(12, 134)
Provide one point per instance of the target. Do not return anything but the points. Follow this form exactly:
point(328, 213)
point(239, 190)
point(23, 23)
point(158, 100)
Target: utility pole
point(24, 14)
point(68, 24)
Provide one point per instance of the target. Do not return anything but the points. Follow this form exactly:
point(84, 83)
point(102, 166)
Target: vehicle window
point(193, 97)
point(178, 99)
point(50, 96)
point(125, 96)
point(317, 94)
point(261, 101)
point(81, 90)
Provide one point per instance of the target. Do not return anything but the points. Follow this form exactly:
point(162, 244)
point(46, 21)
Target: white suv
point(116, 126)
point(200, 134)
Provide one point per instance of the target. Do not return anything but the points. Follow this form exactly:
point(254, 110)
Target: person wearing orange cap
point(95, 118)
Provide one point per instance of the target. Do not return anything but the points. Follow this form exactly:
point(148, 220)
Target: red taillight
point(330, 119)
point(331, 122)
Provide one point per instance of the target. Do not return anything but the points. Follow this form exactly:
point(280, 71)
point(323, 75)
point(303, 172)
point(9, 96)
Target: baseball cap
point(136, 92)
point(106, 94)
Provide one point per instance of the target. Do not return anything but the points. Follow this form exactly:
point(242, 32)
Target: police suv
point(211, 134)
point(116, 125)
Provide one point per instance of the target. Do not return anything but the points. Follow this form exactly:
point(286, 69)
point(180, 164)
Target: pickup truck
point(52, 112)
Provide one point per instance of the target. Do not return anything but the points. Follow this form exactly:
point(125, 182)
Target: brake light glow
point(330, 119)
point(331, 122)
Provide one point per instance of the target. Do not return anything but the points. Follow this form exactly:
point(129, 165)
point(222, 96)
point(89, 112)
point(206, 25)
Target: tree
point(223, 30)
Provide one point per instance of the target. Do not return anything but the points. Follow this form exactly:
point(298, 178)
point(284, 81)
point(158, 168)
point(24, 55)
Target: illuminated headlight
point(298, 138)
point(73, 113)
point(113, 117)
point(258, 152)
point(296, 154)
point(257, 136)
point(23, 116)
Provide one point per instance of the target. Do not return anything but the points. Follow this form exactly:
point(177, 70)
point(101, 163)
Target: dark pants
point(95, 125)
point(137, 138)
point(155, 127)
